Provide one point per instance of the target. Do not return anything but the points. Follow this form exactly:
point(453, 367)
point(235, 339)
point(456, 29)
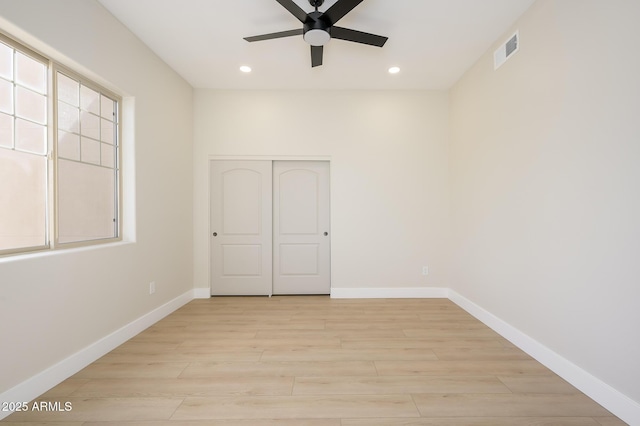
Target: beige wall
point(545, 195)
point(55, 304)
point(389, 171)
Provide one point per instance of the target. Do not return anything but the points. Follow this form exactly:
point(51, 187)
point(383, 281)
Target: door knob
point(326, 233)
point(215, 234)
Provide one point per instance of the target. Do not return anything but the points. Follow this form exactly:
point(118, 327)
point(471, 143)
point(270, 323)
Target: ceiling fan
point(319, 27)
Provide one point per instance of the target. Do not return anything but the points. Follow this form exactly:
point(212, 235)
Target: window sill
point(61, 251)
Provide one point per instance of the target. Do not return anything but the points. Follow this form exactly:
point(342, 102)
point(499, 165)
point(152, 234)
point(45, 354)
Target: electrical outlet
point(425, 270)
point(152, 287)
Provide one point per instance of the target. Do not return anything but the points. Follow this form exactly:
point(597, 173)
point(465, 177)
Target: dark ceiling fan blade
point(339, 9)
point(316, 56)
point(294, 9)
point(275, 35)
point(358, 36)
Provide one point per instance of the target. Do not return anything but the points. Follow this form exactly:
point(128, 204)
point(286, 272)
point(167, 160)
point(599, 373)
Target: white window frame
point(52, 214)
point(57, 68)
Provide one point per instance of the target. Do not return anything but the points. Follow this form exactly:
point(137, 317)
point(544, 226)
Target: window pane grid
point(87, 142)
point(96, 117)
point(24, 183)
point(23, 126)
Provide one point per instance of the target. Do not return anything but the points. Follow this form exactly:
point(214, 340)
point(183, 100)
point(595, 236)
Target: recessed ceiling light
point(394, 70)
point(245, 69)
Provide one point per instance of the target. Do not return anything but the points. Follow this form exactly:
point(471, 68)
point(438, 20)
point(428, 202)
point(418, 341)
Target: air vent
point(505, 51)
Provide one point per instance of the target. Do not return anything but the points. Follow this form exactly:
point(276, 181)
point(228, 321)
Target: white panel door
point(241, 227)
point(301, 238)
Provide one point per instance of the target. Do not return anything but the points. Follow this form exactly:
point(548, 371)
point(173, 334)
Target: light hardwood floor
point(316, 361)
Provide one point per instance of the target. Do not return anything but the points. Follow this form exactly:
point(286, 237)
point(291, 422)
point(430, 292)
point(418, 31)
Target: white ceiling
point(433, 41)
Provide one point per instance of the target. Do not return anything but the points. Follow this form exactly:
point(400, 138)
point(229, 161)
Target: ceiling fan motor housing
point(316, 31)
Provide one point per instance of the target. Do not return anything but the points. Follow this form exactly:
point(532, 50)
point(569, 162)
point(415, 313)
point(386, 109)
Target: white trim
point(201, 293)
point(611, 399)
point(53, 252)
point(52, 376)
point(390, 293)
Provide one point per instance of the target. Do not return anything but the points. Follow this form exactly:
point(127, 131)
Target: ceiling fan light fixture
point(317, 37)
point(318, 28)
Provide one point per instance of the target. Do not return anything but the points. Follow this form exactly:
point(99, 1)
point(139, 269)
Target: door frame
point(271, 158)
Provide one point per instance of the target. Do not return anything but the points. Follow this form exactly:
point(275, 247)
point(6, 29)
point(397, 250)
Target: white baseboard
point(611, 399)
point(390, 293)
point(201, 293)
point(52, 376)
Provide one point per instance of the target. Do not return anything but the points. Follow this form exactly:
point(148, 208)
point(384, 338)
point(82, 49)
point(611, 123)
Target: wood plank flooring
point(316, 361)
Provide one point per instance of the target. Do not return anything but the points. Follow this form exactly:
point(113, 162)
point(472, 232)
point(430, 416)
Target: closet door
point(241, 227)
point(301, 234)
